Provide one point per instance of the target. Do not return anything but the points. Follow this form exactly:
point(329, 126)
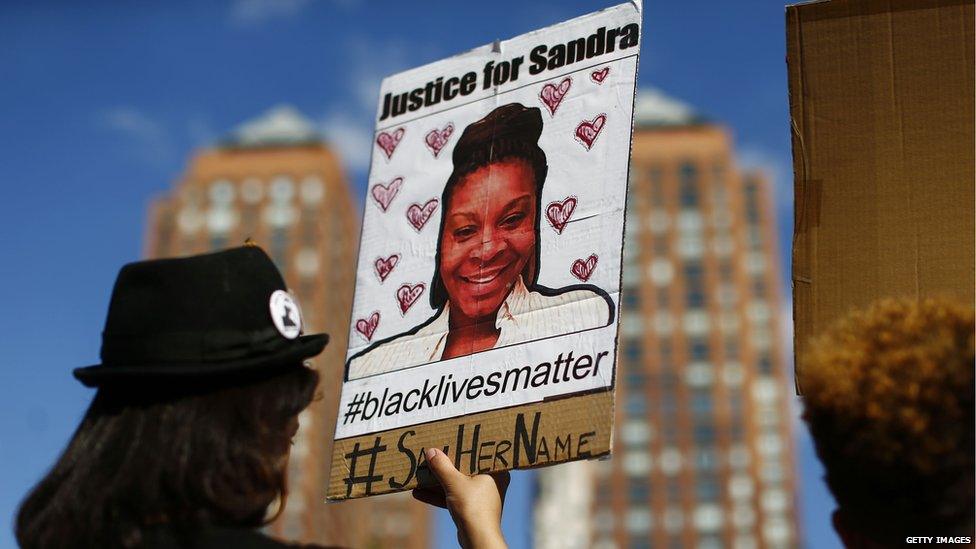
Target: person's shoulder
point(399, 351)
point(585, 303)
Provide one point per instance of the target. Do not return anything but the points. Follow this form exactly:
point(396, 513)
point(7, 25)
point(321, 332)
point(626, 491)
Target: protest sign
point(487, 293)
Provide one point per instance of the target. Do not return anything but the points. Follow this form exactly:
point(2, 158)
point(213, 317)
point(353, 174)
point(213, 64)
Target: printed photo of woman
point(485, 290)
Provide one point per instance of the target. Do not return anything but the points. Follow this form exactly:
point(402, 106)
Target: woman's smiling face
point(488, 237)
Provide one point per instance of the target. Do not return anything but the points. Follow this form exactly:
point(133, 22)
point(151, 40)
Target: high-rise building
point(703, 453)
point(275, 181)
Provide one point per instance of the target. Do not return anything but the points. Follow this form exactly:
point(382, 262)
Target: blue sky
point(104, 102)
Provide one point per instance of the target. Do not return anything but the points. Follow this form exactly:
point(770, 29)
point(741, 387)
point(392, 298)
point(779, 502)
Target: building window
point(252, 191)
point(758, 288)
point(694, 283)
point(688, 183)
point(282, 190)
point(639, 520)
point(635, 432)
point(313, 190)
point(670, 462)
point(698, 349)
point(636, 379)
point(702, 403)
point(639, 490)
point(637, 463)
point(640, 542)
point(704, 433)
point(708, 517)
point(700, 374)
point(636, 405)
point(631, 276)
point(631, 299)
point(661, 272)
point(658, 222)
point(706, 459)
point(633, 350)
point(632, 325)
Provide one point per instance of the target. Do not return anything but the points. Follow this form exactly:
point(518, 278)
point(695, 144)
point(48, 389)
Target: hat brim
point(304, 347)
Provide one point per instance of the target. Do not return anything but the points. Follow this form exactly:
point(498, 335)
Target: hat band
point(206, 346)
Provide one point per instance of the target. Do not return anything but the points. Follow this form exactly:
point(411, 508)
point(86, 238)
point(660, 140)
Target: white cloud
point(249, 13)
point(253, 12)
point(348, 122)
point(200, 131)
point(151, 139)
point(351, 136)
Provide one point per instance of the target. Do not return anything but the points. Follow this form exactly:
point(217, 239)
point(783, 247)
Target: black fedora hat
point(207, 315)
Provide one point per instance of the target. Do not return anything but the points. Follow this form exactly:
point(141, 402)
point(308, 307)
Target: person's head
point(489, 232)
point(199, 391)
point(888, 397)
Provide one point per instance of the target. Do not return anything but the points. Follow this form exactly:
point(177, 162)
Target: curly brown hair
point(888, 396)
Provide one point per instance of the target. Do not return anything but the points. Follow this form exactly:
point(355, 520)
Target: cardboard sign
point(883, 156)
point(487, 294)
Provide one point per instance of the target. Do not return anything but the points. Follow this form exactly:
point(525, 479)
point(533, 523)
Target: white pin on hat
point(286, 314)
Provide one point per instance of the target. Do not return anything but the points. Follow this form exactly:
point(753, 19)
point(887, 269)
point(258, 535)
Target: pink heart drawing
point(388, 141)
point(418, 215)
point(552, 95)
point(385, 266)
point(407, 295)
point(584, 269)
point(437, 139)
point(559, 212)
point(384, 194)
point(589, 130)
point(368, 327)
point(600, 75)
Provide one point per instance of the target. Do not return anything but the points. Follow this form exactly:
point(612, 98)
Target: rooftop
point(281, 126)
point(654, 109)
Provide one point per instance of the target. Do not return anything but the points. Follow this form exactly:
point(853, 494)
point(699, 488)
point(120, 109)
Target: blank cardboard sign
point(881, 106)
point(487, 293)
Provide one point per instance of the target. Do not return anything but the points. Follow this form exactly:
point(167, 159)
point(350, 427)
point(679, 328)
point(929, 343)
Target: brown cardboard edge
point(802, 255)
point(340, 488)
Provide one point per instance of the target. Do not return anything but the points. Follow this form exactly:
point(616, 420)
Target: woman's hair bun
point(512, 123)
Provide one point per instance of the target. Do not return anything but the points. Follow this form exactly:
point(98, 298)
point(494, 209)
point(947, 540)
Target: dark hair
point(165, 455)
point(510, 132)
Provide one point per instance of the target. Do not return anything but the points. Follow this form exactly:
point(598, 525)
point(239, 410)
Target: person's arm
point(475, 502)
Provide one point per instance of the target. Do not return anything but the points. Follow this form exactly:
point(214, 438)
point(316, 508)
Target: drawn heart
point(407, 295)
point(385, 266)
point(368, 327)
point(552, 95)
point(389, 141)
point(384, 194)
point(589, 130)
point(600, 75)
point(584, 269)
point(437, 139)
point(558, 213)
point(418, 215)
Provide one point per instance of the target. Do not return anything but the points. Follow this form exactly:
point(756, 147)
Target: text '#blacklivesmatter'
point(541, 58)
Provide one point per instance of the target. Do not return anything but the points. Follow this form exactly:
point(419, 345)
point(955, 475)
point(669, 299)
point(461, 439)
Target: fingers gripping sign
point(475, 502)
